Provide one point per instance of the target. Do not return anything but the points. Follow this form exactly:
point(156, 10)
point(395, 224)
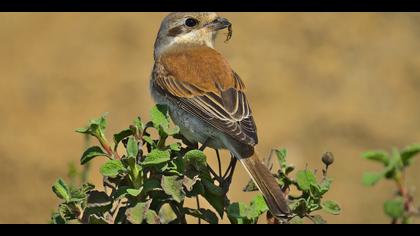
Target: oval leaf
point(134, 192)
point(112, 168)
point(331, 207)
point(91, 153)
point(378, 156)
point(132, 147)
point(120, 136)
point(61, 189)
point(394, 208)
point(166, 214)
point(305, 179)
point(172, 185)
point(156, 157)
point(152, 217)
point(195, 159)
point(408, 153)
point(159, 116)
point(259, 205)
point(137, 214)
point(371, 178)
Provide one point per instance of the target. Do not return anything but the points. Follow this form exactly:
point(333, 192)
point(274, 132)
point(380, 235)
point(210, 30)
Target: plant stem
point(105, 144)
point(198, 208)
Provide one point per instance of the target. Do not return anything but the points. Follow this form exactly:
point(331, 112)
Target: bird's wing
point(200, 83)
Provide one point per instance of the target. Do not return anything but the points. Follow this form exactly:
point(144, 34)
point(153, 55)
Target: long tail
point(267, 184)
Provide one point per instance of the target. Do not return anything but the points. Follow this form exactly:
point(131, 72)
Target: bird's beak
point(218, 24)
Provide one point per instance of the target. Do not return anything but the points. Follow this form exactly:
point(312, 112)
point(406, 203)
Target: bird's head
point(190, 29)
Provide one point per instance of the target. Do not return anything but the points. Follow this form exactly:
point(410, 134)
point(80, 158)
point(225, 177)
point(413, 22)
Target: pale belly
point(192, 128)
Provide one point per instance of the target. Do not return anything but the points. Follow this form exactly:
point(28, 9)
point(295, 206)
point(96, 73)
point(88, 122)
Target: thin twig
point(198, 208)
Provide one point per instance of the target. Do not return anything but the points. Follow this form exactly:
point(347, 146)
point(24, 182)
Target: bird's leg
point(217, 177)
point(227, 178)
point(219, 162)
point(204, 145)
point(231, 165)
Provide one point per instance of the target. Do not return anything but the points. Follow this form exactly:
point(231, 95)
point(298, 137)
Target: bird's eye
point(191, 22)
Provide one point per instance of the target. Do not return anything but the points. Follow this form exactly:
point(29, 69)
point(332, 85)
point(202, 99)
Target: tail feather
point(267, 184)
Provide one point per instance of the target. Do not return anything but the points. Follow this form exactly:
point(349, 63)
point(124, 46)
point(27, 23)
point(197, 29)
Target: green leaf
point(325, 185)
point(156, 157)
point(189, 183)
point(120, 193)
point(172, 186)
point(134, 192)
point(409, 152)
point(179, 165)
point(77, 195)
point(317, 219)
point(66, 211)
point(166, 214)
point(212, 188)
point(394, 208)
point(315, 191)
point(289, 169)
point(395, 164)
point(159, 116)
point(371, 178)
point(331, 207)
point(196, 159)
point(216, 201)
point(95, 127)
point(120, 136)
point(250, 186)
point(203, 214)
point(137, 214)
point(61, 189)
point(237, 210)
point(150, 185)
point(281, 157)
point(132, 148)
point(97, 220)
point(175, 147)
point(298, 206)
point(98, 199)
point(57, 219)
point(171, 132)
point(304, 179)
point(91, 153)
point(198, 189)
point(378, 156)
point(87, 187)
point(241, 213)
point(297, 220)
point(112, 168)
point(139, 124)
point(259, 205)
point(152, 217)
point(149, 140)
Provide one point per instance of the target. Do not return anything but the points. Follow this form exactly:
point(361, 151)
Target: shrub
point(150, 179)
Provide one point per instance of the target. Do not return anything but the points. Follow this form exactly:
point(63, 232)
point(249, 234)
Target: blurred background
point(339, 82)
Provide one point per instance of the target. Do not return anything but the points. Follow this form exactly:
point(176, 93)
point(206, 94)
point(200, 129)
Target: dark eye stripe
point(175, 31)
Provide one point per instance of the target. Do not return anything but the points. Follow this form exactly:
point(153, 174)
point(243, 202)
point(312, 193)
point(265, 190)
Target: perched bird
point(206, 98)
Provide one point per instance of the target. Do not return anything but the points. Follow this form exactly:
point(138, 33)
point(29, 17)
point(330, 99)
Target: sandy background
point(344, 82)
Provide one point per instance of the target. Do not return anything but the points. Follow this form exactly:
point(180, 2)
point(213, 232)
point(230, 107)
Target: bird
point(206, 97)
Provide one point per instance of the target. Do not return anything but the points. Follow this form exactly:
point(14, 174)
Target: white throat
point(192, 38)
